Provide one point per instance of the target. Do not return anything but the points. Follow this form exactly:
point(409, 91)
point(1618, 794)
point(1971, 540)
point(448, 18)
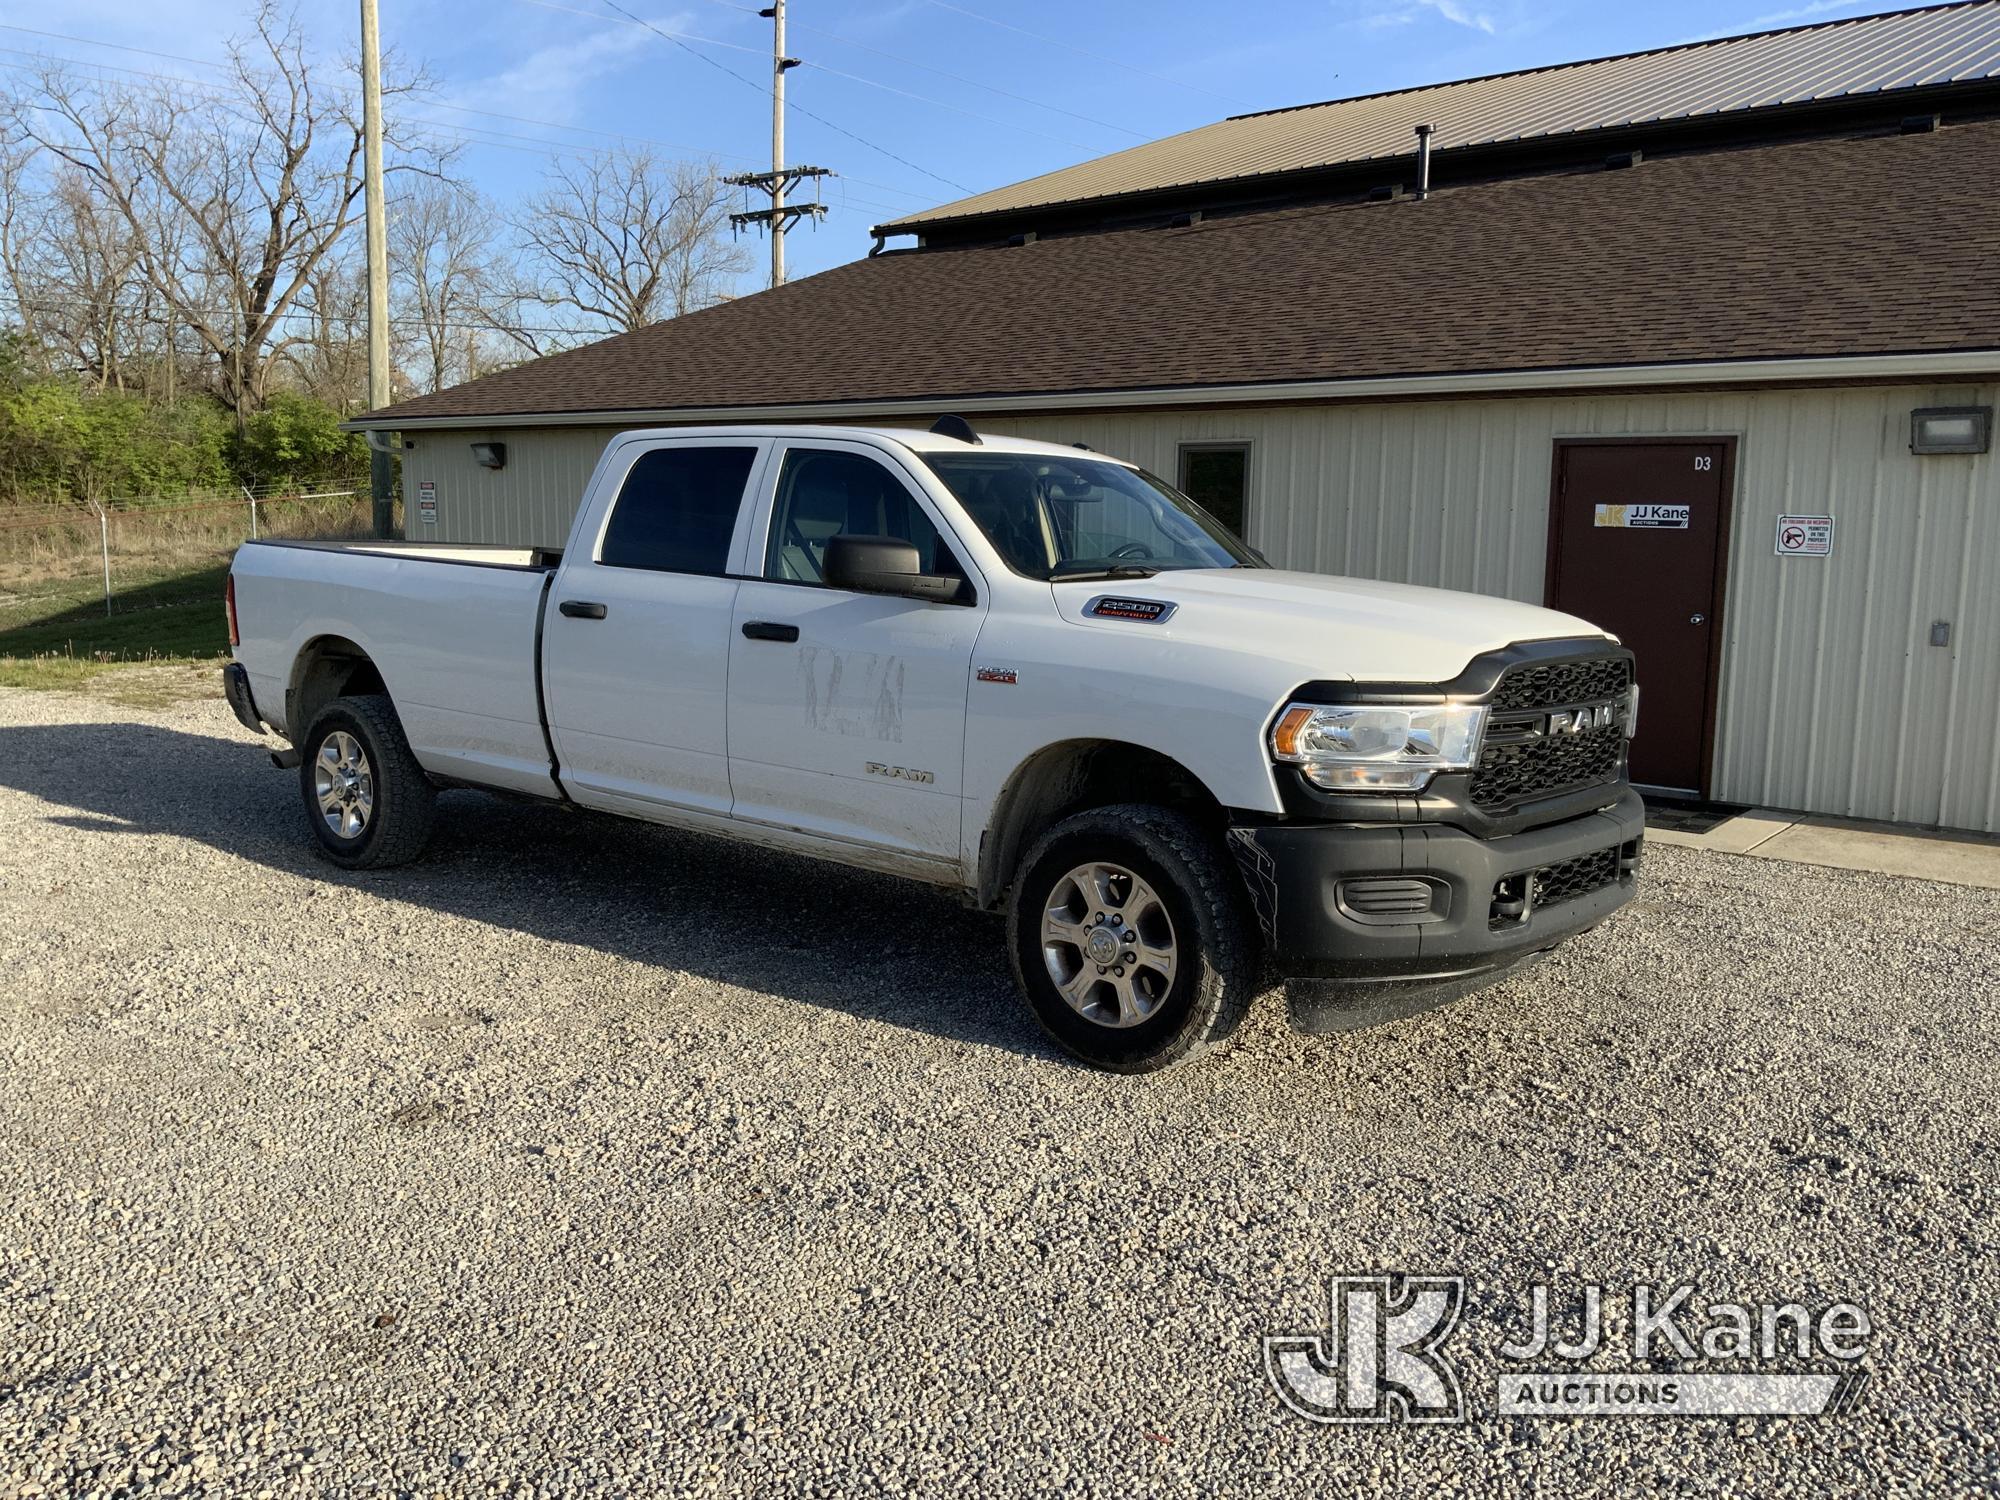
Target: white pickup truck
point(1032, 673)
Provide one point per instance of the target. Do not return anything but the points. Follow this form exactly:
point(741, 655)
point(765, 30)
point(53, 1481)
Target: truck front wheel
point(369, 802)
point(1130, 940)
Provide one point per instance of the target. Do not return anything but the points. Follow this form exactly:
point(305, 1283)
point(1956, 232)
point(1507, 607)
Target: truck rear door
point(636, 638)
point(847, 711)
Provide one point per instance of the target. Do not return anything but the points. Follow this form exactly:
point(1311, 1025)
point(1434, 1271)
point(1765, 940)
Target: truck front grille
point(1593, 679)
point(1555, 884)
point(1522, 760)
point(1518, 896)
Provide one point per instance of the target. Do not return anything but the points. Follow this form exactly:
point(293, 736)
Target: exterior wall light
point(1951, 429)
point(490, 455)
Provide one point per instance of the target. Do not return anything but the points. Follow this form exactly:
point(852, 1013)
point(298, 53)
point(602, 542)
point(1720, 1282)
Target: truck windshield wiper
point(1116, 570)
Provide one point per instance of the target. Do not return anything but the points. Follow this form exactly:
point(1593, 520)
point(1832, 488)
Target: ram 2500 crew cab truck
point(1032, 673)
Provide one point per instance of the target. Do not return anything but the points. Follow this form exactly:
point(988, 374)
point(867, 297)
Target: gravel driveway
point(588, 1158)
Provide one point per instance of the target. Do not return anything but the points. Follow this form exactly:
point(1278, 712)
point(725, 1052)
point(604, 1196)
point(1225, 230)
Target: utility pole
point(381, 477)
point(781, 178)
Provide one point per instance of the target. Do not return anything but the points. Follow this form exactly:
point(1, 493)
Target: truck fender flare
point(1068, 777)
point(327, 666)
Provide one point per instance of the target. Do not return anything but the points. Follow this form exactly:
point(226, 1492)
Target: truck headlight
point(1367, 747)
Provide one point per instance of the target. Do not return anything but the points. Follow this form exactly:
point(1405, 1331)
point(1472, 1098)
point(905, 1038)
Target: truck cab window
point(823, 492)
point(1062, 517)
point(677, 510)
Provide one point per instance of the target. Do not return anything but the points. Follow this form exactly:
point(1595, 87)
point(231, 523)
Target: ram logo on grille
point(1583, 720)
point(1541, 743)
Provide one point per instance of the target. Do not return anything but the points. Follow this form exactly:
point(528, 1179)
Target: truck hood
point(1353, 629)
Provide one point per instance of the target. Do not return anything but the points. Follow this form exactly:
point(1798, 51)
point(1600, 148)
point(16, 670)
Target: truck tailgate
point(454, 640)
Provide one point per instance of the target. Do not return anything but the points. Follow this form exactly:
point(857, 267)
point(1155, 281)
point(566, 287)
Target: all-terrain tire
point(1217, 961)
point(400, 803)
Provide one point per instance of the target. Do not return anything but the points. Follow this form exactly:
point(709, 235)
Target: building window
point(1216, 476)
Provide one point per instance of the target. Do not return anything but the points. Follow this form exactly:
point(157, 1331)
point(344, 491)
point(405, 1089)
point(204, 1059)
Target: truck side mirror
point(884, 565)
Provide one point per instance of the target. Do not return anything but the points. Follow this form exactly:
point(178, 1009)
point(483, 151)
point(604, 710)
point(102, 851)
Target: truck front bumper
point(1390, 919)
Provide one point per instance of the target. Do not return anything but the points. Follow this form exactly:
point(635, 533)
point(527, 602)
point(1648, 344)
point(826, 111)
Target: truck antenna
point(956, 427)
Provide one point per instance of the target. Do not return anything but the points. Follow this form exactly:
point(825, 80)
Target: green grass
point(50, 674)
point(178, 615)
point(56, 637)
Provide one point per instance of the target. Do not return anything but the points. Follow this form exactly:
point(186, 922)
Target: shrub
point(297, 440)
point(59, 441)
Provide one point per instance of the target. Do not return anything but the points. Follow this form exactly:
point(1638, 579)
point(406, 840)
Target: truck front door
point(847, 711)
point(635, 639)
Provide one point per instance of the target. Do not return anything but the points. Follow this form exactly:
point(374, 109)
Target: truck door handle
point(769, 630)
point(581, 609)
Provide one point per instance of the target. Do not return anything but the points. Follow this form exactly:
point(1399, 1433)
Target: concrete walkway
point(1887, 848)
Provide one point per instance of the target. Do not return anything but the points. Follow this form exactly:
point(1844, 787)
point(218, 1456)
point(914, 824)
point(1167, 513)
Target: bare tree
point(93, 305)
point(235, 195)
point(328, 347)
point(19, 237)
point(623, 240)
point(446, 282)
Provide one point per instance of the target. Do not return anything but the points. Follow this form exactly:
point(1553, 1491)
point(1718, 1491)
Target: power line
point(1116, 62)
point(760, 88)
point(913, 62)
point(222, 91)
point(114, 46)
point(942, 104)
point(684, 37)
point(307, 315)
point(678, 36)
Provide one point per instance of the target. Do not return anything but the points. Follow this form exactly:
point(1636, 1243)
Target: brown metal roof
point(1861, 55)
point(1862, 245)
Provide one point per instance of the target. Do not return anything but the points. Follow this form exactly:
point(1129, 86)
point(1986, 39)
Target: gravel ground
point(583, 1157)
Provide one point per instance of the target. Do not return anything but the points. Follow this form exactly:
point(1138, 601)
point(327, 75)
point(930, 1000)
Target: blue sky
point(920, 101)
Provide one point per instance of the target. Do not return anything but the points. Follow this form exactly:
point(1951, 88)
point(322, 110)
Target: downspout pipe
point(1424, 161)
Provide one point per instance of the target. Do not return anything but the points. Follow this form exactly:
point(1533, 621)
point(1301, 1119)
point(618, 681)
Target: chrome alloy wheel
point(344, 784)
point(1108, 944)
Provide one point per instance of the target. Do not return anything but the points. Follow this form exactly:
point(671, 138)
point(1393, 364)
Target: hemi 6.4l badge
point(997, 674)
point(1145, 611)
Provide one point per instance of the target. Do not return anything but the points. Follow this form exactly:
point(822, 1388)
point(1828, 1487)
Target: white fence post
point(104, 541)
point(253, 511)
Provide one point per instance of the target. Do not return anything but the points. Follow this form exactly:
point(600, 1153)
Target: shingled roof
point(1870, 244)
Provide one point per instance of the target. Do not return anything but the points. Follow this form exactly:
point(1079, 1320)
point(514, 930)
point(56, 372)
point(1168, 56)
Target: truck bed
point(542, 559)
point(454, 632)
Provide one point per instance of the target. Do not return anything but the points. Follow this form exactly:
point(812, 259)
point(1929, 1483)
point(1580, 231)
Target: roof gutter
point(1819, 369)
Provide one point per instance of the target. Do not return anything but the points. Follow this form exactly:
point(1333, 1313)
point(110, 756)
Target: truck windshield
point(1080, 518)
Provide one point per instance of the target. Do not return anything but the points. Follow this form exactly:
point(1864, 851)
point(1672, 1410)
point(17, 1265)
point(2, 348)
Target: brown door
point(1637, 546)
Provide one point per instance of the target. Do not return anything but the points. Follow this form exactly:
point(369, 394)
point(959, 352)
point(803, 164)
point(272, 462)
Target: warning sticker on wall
point(427, 502)
point(1655, 517)
point(1805, 536)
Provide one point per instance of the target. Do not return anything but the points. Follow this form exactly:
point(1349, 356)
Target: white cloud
point(1414, 10)
point(1458, 15)
point(554, 77)
point(1815, 10)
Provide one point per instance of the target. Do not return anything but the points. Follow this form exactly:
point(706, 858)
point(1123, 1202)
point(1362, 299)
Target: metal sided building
point(1702, 344)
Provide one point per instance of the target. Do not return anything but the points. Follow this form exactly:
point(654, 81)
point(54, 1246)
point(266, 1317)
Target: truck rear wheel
point(1129, 938)
point(368, 800)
